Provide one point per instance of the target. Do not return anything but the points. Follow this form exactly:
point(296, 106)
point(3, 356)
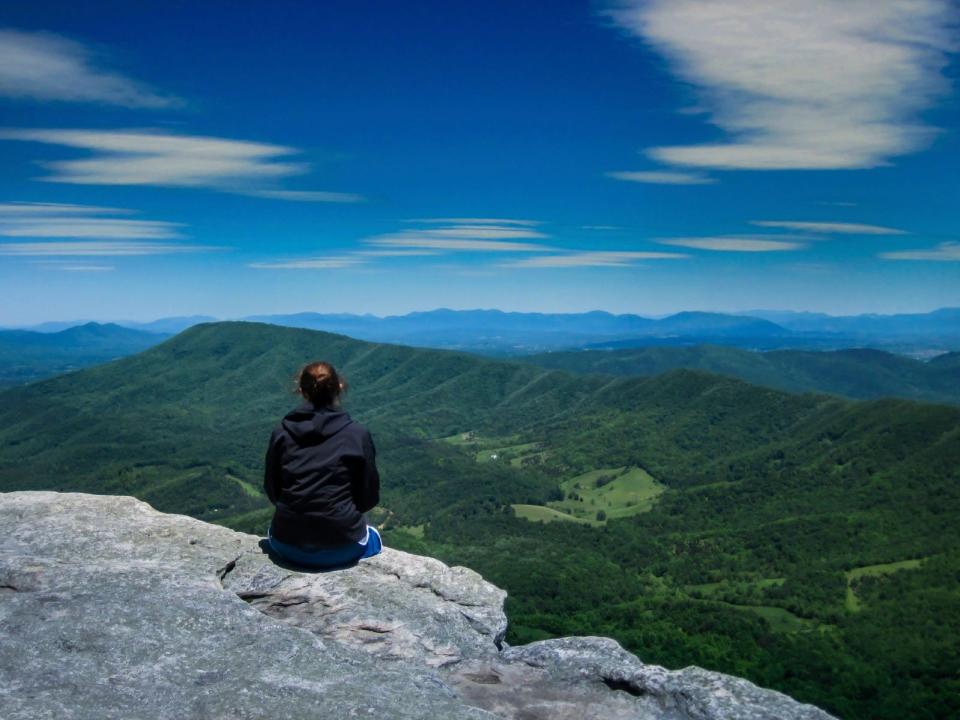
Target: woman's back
point(321, 474)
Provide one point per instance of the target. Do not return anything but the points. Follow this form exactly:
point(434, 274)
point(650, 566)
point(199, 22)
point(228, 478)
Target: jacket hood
point(309, 424)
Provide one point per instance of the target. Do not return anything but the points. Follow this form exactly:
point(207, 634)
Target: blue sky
point(640, 156)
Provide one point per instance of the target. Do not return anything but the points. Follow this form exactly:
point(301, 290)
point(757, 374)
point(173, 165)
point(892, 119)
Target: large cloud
point(84, 230)
point(148, 157)
point(42, 66)
point(801, 84)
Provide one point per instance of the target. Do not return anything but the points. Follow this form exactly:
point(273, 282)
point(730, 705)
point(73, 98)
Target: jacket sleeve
point(366, 479)
point(272, 480)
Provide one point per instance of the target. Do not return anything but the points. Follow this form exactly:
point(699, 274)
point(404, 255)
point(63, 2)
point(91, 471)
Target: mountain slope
point(944, 322)
point(859, 373)
point(26, 355)
point(780, 549)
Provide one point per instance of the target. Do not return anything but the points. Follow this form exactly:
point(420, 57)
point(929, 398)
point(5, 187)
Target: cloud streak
point(307, 196)
point(662, 177)
point(604, 258)
point(314, 263)
point(733, 243)
point(52, 220)
point(42, 66)
point(467, 235)
point(841, 228)
point(820, 84)
point(944, 252)
point(473, 235)
point(102, 228)
point(18, 209)
point(64, 266)
point(96, 248)
point(475, 221)
point(89, 232)
point(417, 241)
point(145, 157)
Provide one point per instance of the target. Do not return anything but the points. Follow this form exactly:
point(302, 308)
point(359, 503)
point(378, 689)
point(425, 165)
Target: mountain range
point(855, 373)
point(501, 333)
point(806, 542)
point(27, 355)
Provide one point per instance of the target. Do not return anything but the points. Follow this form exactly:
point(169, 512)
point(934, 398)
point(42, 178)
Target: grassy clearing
point(597, 496)
point(852, 602)
point(498, 449)
point(715, 588)
point(780, 620)
point(462, 439)
point(707, 589)
point(883, 568)
point(514, 454)
point(539, 513)
point(614, 492)
point(249, 489)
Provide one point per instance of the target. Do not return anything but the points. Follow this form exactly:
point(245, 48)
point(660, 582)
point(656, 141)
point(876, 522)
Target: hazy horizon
point(145, 320)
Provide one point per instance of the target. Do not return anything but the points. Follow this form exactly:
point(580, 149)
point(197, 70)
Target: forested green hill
point(808, 543)
point(855, 373)
point(26, 356)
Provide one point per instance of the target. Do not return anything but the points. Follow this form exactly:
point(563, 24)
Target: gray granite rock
point(395, 606)
point(109, 609)
point(692, 693)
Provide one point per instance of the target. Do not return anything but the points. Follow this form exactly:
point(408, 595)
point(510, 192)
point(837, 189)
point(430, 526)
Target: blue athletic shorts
point(330, 557)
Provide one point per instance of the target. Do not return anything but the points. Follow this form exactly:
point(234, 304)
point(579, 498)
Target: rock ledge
point(110, 609)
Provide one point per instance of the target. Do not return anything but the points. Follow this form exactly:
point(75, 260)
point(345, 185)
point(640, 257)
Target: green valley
point(736, 521)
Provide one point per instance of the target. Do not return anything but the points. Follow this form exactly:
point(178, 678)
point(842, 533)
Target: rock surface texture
point(110, 609)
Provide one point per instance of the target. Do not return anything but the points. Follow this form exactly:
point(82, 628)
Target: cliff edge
point(110, 609)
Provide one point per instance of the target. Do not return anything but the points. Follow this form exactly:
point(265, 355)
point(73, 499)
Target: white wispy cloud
point(307, 196)
point(473, 236)
point(605, 258)
point(97, 248)
point(66, 267)
point(482, 231)
point(662, 177)
point(600, 227)
point(414, 240)
point(103, 228)
point(396, 253)
point(944, 252)
point(156, 158)
point(733, 243)
point(89, 232)
point(53, 220)
point(43, 66)
point(150, 157)
point(315, 263)
point(469, 235)
point(17, 209)
point(842, 228)
point(476, 221)
point(818, 84)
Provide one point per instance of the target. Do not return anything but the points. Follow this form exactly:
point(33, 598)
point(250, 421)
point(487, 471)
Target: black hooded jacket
point(321, 474)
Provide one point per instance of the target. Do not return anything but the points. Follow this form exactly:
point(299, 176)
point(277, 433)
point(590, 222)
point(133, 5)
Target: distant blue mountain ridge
point(497, 332)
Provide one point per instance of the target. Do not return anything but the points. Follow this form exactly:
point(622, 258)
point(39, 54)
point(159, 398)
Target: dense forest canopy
point(805, 542)
point(856, 373)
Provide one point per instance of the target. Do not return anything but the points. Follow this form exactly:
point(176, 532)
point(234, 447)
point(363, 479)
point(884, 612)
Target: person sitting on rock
point(321, 474)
